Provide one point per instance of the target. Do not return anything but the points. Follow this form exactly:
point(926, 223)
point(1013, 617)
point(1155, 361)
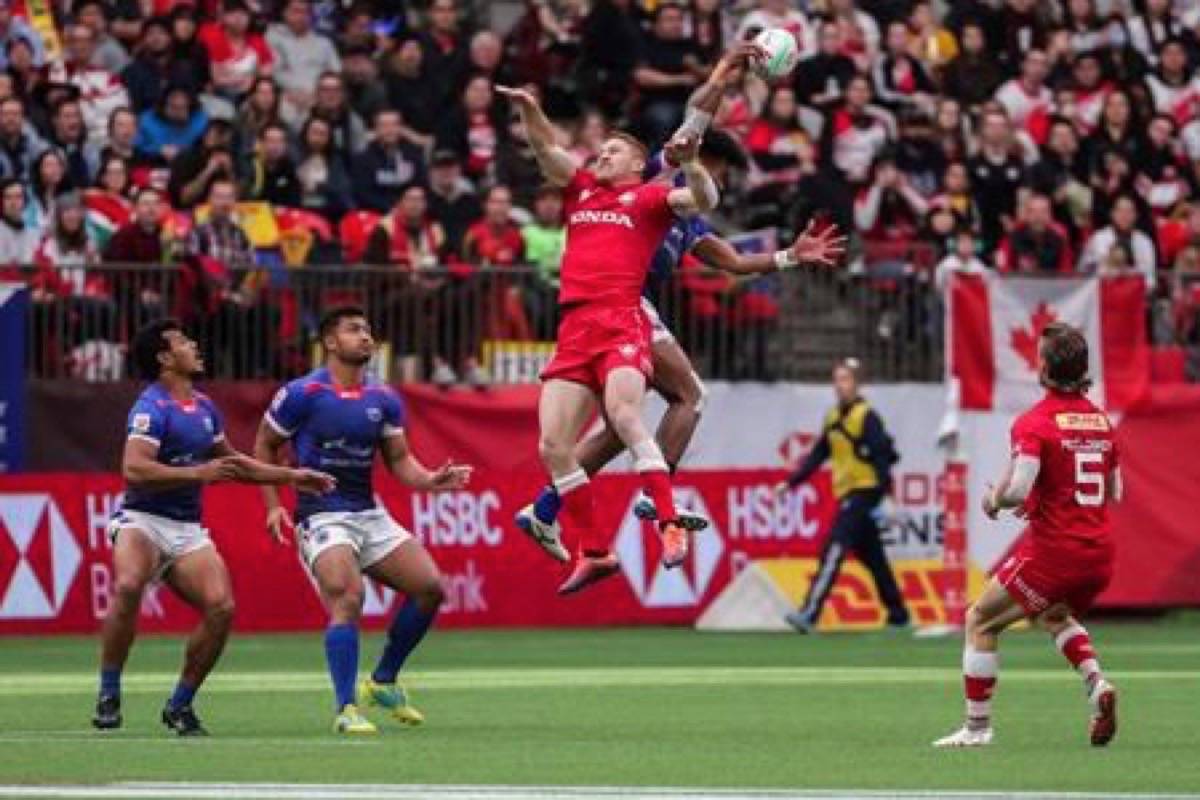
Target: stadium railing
point(262, 323)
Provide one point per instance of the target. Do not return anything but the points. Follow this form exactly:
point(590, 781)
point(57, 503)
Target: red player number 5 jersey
point(1068, 507)
point(612, 233)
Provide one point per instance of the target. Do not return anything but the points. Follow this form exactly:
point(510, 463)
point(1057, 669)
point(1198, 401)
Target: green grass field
point(624, 708)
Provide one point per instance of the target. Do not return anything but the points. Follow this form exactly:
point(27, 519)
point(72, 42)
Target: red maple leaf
point(1025, 340)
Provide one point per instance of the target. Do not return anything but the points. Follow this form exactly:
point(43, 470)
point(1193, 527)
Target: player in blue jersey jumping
point(175, 445)
point(337, 419)
point(674, 378)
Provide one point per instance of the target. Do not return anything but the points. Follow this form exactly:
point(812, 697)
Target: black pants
point(855, 529)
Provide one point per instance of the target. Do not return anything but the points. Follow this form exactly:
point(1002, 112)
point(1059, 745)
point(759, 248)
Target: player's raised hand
point(311, 481)
point(740, 57)
point(989, 502)
point(520, 97)
point(450, 476)
point(279, 522)
point(682, 149)
point(824, 248)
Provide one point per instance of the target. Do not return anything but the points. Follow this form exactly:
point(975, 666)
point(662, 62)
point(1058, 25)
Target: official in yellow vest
point(861, 455)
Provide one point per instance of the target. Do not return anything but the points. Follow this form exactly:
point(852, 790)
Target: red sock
point(656, 479)
point(979, 681)
point(1076, 646)
point(579, 511)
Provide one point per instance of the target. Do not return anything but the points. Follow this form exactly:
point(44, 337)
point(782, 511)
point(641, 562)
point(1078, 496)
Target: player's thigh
point(136, 559)
point(674, 376)
point(624, 388)
point(995, 609)
point(201, 580)
point(563, 409)
point(408, 568)
point(338, 574)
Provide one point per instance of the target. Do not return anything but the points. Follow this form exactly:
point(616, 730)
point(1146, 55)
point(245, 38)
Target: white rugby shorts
point(173, 539)
point(659, 332)
point(371, 534)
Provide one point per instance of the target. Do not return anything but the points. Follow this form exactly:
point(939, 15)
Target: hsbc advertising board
point(55, 572)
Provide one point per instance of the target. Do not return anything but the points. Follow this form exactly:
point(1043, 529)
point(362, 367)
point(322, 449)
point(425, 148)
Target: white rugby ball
point(781, 54)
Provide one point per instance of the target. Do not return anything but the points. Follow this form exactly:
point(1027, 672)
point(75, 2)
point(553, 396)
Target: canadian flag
point(994, 323)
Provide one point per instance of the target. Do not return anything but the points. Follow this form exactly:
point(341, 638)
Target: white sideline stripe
point(21, 684)
point(284, 791)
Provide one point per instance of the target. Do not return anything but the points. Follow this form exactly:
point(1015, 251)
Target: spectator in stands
point(324, 182)
point(1088, 31)
point(473, 128)
point(48, 182)
point(1037, 245)
point(262, 107)
point(13, 29)
point(901, 82)
point(889, 213)
point(365, 90)
point(1118, 132)
point(194, 171)
point(1024, 25)
point(668, 70)
point(407, 237)
point(408, 90)
point(452, 199)
point(973, 77)
point(110, 55)
point(1150, 27)
point(220, 237)
point(854, 134)
point(19, 143)
point(172, 127)
point(67, 243)
point(1122, 231)
point(860, 32)
point(301, 56)
point(69, 138)
point(1161, 181)
point(954, 209)
point(593, 129)
point(1027, 94)
point(388, 165)
point(142, 239)
point(272, 174)
point(997, 171)
point(821, 79)
point(610, 43)
point(917, 153)
point(122, 136)
point(445, 53)
point(516, 164)
point(545, 238)
point(100, 91)
point(1089, 91)
point(494, 240)
point(331, 105)
point(962, 259)
point(109, 203)
point(153, 68)
point(237, 54)
point(931, 43)
point(18, 241)
point(1060, 175)
point(1173, 86)
point(28, 79)
point(189, 57)
point(780, 148)
point(485, 56)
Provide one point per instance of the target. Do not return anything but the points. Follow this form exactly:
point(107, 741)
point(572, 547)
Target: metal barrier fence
point(262, 324)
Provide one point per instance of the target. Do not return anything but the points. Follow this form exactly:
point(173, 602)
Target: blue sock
point(408, 628)
point(110, 682)
point(547, 505)
point(182, 697)
point(341, 653)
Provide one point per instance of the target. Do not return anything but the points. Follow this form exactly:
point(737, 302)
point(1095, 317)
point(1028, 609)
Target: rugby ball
point(780, 54)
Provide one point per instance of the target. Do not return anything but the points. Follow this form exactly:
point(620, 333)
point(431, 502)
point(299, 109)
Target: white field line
point(281, 791)
point(22, 684)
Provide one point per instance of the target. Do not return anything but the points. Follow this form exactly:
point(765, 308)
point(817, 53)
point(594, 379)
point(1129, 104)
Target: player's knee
point(693, 394)
point(220, 611)
point(554, 451)
point(430, 597)
point(127, 592)
point(626, 418)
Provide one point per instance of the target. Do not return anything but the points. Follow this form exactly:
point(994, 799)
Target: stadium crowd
point(1015, 135)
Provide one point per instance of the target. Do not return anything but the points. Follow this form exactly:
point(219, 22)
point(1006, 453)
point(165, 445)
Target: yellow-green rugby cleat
point(351, 723)
point(390, 697)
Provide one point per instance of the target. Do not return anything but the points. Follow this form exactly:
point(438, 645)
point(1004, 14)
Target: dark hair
point(145, 190)
point(108, 160)
point(334, 316)
point(720, 145)
point(37, 188)
point(1065, 358)
point(330, 146)
point(149, 342)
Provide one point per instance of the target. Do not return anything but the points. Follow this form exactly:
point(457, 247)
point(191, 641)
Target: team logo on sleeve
point(141, 423)
point(374, 414)
point(280, 396)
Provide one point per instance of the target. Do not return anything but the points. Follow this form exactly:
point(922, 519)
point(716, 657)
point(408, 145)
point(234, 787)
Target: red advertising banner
point(55, 560)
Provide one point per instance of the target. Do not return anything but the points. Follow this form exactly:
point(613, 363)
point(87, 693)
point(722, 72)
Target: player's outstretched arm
point(141, 469)
point(557, 165)
point(268, 449)
point(409, 470)
point(700, 194)
point(823, 249)
point(272, 473)
point(704, 103)
point(1014, 486)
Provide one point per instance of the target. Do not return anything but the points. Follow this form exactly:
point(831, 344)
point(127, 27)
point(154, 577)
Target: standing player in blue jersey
point(675, 379)
point(176, 445)
point(337, 419)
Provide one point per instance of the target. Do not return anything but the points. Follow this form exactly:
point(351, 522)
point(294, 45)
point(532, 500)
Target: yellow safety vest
point(850, 471)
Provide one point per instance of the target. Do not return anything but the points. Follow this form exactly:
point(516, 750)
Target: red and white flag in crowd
point(994, 324)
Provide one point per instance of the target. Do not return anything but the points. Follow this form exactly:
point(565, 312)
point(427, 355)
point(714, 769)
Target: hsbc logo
point(656, 586)
point(39, 557)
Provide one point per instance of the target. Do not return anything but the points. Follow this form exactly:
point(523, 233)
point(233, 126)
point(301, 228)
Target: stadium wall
point(54, 556)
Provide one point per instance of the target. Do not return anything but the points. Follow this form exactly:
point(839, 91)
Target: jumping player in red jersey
point(1062, 476)
point(615, 222)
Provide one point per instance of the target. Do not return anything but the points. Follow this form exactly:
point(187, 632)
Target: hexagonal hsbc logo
point(654, 585)
point(39, 557)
